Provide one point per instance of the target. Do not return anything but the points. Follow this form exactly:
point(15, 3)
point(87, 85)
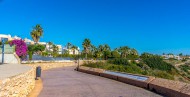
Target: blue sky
point(154, 26)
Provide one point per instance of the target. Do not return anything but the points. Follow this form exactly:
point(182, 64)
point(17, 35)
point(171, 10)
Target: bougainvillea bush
point(20, 48)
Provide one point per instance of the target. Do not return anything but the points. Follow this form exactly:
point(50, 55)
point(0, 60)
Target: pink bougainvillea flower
point(21, 47)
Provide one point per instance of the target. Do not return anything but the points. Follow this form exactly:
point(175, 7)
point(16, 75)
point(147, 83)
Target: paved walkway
point(65, 82)
point(9, 70)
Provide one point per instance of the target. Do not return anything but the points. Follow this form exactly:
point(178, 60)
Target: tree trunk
point(86, 55)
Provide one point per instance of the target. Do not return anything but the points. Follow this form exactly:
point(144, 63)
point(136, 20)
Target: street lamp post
point(78, 58)
point(62, 51)
point(3, 47)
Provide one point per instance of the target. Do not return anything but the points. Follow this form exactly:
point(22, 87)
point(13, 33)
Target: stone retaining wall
point(19, 85)
point(170, 88)
point(165, 87)
point(46, 66)
point(22, 84)
point(109, 76)
point(94, 71)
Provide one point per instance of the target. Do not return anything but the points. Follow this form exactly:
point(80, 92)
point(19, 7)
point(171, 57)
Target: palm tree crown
point(86, 45)
point(55, 49)
point(69, 45)
point(107, 47)
point(36, 33)
point(74, 48)
point(124, 51)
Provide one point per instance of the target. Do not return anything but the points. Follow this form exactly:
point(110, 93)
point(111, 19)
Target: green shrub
point(132, 68)
point(122, 65)
point(115, 54)
point(156, 62)
point(185, 68)
point(44, 53)
point(183, 60)
point(30, 55)
point(119, 61)
point(163, 74)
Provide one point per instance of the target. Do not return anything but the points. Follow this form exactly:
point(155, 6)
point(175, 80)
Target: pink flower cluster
point(21, 47)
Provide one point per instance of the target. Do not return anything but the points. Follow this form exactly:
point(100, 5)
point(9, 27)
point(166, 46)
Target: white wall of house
point(9, 58)
point(73, 52)
point(8, 37)
point(29, 41)
point(59, 49)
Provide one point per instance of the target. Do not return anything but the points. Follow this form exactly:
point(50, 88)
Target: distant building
point(169, 56)
point(59, 49)
point(42, 43)
point(29, 42)
point(49, 47)
point(16, 37)
point(6, 37)
point(71, 51)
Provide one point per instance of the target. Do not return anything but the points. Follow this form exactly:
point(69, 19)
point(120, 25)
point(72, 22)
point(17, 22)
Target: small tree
point(39, 48)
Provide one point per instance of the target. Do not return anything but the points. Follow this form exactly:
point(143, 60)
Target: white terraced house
point(8, 37)
point(71, 51)
point(29, 41)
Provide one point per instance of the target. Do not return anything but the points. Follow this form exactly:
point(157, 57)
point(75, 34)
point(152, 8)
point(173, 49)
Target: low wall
point(142, 84)
point(94, 71)
point(10, 58)
point(165, 87)
point(100, 72)
point(19, 85)
point(46, 66)
point(109, 76)
point(81, 62)
point(170, 88)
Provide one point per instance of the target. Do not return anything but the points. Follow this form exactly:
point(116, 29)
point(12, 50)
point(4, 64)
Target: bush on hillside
point(130, 68)
point(119, 61)
point(185, 68)
point(156, 62)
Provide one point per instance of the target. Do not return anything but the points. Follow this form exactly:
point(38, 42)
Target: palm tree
point(36, 33)
point(106, 47)
point(55, 50)
point(73, 49)
point(86, 45)
point(124, 51)
point(134, 52)
point(100, 50)
point(106, 51)
point(116, 49)
point(93, 49)
point(50, 44)
point(69, 45)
